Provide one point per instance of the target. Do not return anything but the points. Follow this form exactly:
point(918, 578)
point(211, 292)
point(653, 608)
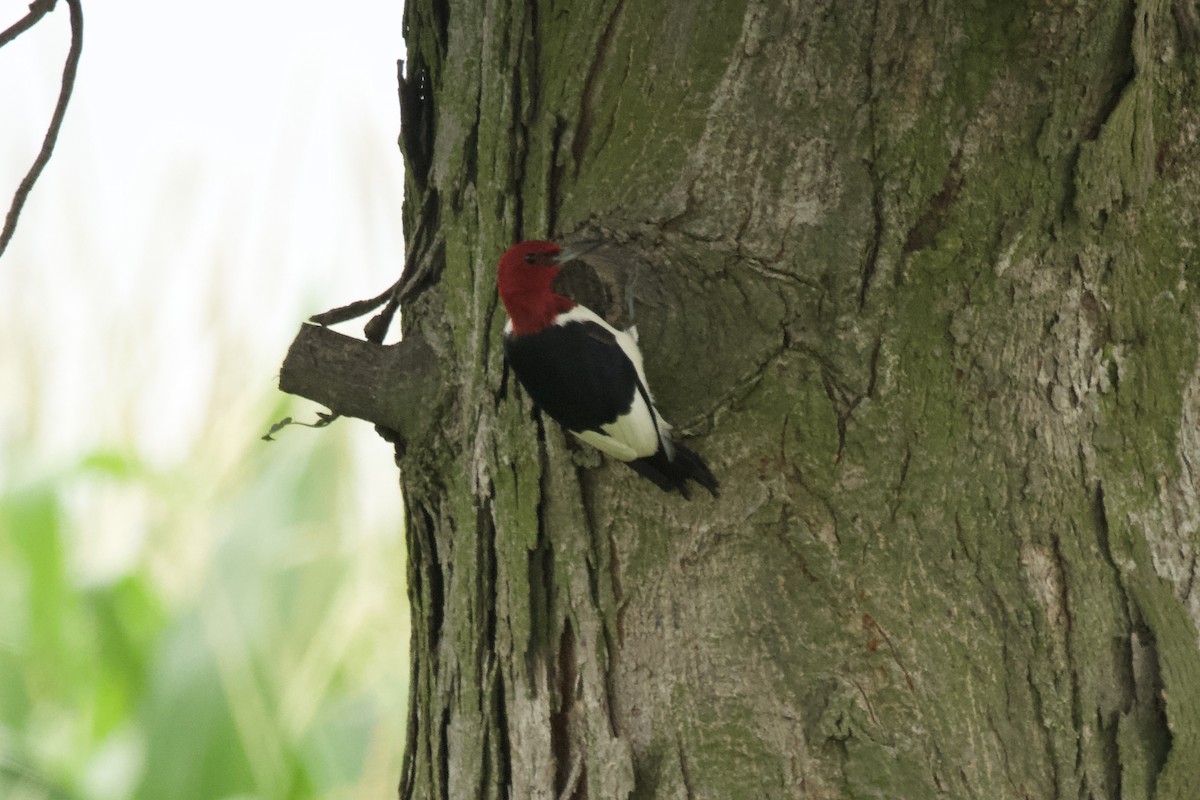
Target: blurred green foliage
point(244, 635)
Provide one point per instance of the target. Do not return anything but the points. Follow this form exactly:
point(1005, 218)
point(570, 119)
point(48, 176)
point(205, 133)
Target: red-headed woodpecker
point(585, 373)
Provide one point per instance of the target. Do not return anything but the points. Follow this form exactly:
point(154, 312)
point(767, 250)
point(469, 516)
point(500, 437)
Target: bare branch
point(38, 10)
point(356, 309)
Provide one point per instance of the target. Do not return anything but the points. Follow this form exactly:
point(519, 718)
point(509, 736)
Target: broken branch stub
point(394, 386)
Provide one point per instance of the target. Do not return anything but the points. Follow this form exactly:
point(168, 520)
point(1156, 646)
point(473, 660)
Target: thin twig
point(60, 110)
point(355, 309)
point(37, 10)
point(323, 418)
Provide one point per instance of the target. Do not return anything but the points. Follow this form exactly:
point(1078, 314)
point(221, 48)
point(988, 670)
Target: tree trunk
point(919, 279)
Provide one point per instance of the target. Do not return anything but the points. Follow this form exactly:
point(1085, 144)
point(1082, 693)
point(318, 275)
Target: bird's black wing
point(576, 373)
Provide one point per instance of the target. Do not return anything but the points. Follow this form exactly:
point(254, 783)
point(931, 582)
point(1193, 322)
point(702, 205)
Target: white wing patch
point(640, 432)
point(633, 435)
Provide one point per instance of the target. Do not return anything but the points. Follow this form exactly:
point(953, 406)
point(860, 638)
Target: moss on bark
point(924, 279)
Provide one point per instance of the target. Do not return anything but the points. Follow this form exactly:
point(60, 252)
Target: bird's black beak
point(577, 250)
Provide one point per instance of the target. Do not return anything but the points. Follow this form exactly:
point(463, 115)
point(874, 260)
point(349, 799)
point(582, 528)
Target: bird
point(584, 373)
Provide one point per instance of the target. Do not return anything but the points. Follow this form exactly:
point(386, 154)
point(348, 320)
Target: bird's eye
point(530, 258)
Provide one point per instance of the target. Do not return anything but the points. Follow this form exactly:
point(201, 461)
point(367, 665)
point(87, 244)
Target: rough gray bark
point(921, 278)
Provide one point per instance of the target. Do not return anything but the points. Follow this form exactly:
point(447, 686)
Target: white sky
point(225, 169)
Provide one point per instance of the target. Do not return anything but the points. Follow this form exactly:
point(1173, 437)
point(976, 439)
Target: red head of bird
point(526, 279)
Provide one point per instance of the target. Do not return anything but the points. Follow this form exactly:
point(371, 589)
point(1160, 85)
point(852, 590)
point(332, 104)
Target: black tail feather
point(673, 475)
